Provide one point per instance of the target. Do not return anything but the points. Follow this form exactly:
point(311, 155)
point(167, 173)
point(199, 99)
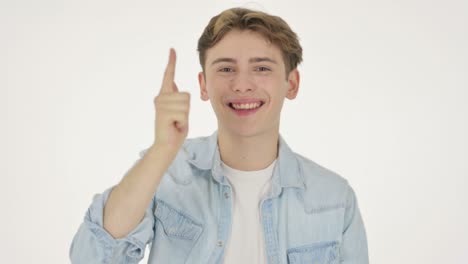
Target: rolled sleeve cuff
point(133, 245)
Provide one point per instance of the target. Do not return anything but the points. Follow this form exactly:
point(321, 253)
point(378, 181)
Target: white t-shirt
point(246, 243)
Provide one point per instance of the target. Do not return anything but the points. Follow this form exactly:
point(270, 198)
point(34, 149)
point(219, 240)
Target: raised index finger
point(168, 79)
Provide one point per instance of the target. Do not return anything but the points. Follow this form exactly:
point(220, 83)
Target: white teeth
point(246, 106)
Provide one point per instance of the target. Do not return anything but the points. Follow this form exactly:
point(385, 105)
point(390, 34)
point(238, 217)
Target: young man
point(240, 195)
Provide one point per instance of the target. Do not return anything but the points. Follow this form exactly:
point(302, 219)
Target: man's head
point(272, 28)
point(249, 59)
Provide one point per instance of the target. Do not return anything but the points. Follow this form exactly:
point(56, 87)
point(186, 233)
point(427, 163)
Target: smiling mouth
point(246, 107)
point(244, 110)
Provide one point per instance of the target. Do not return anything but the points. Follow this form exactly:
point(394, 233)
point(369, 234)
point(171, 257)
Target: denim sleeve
point(93, 244)
point(354, 245)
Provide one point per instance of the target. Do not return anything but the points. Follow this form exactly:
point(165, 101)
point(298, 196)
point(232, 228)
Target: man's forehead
point(241, 46)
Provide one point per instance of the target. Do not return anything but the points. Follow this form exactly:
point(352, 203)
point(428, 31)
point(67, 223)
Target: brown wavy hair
point(273, 28)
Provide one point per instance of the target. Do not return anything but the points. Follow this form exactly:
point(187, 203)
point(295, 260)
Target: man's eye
point(263, 69)
point(225, 70)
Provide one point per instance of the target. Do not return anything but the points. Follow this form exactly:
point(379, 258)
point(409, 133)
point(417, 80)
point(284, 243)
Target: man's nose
point(243, 83)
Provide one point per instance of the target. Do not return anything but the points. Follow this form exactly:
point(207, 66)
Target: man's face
point(244, 70)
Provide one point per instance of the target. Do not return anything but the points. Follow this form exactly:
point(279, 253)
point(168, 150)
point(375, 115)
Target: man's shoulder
point(189, 144)
point(313, 171)
point(324, 188)
point(198, 140)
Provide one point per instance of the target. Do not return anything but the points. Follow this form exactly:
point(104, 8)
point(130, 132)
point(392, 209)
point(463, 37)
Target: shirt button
point(226, 195)
point(219, 243)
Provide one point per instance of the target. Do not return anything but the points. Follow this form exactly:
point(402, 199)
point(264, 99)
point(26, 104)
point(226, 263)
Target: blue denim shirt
point(310, 215)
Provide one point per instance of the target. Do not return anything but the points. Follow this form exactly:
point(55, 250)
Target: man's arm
point(119, 223)
point(95, 243)
point(129, 200)
point(354, 246)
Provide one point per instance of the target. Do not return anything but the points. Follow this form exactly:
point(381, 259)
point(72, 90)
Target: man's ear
point(203, 92)
point(293, 84)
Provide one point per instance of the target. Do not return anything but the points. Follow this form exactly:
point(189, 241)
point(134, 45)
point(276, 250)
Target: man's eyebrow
point(262, 59)
point(218, 60)
point(251, 60)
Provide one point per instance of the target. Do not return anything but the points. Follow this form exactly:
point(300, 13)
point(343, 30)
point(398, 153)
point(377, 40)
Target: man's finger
point(174, 87)
point(168, 80)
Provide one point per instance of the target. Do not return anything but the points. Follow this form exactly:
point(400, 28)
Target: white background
point(382, 102)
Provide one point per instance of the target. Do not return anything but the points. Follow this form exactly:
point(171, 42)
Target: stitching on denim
point(313, 247)
point(322, 209)
point(104, 238)
point(177, 235)
point(271, 239)
point(318, 209)
point(186, 227)
point(320, 249)
point(135, 244)
point(191, 218)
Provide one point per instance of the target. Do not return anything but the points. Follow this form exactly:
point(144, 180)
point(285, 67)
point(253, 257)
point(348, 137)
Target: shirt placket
point(271, 240)
point(225, 217)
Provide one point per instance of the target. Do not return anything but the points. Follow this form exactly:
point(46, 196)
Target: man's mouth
point(248, 106)
point(243, 109)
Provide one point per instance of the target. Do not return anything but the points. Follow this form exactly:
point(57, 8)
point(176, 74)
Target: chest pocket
point(175, 223)
point(317, 253)
point(176, 233)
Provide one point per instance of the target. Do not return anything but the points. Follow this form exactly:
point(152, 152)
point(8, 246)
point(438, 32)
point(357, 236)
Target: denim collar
point(203, 153)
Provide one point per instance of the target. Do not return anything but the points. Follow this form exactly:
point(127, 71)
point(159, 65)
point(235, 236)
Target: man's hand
point(172, 109)
point(128, 201)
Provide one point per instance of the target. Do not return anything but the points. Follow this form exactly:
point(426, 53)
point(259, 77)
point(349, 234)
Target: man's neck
point(248, 153)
